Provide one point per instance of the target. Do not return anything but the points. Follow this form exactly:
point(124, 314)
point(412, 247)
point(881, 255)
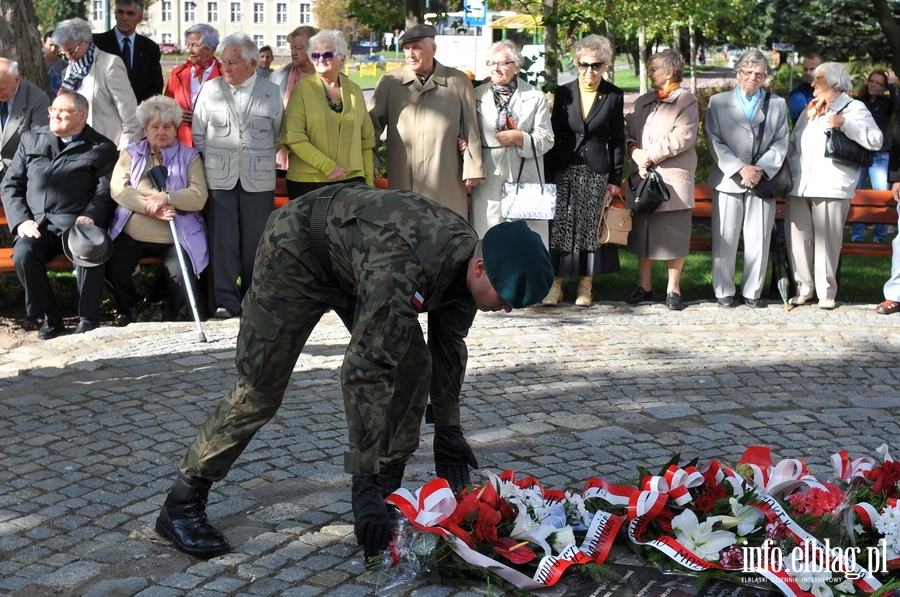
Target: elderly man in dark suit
point(139, 53)
point(23, 106)
point(59, 177)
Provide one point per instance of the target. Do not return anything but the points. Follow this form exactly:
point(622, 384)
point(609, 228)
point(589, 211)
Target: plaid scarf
point(79, 70)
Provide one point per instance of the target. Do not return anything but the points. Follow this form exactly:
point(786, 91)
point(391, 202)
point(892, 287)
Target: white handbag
point(528, 200)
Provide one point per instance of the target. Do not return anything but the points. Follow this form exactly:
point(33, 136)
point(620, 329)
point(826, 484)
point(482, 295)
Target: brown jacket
point(670, 141)
point(423, 123)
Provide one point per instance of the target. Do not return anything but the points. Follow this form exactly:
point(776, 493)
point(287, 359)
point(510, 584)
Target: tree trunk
point(551, 47)
point(21, 41)
point(415, 13)
point(692, 36)
point(642, 58)
point(889, 27)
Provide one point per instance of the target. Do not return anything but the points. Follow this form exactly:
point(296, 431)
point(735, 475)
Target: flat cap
point(517, 263)
point(418, 32)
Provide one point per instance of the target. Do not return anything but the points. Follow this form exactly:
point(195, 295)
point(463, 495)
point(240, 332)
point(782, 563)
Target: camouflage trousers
point(385, 390)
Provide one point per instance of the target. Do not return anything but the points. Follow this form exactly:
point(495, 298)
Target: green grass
point(862, 279)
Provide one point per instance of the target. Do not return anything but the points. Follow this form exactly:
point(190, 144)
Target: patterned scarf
point(79, 70)
point(502, 95)
point(663, 93)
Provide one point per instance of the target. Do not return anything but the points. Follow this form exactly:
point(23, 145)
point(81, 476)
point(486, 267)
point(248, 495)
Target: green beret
point(517, 263)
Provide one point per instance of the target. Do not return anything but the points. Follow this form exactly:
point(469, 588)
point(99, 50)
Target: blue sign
point(476, 13)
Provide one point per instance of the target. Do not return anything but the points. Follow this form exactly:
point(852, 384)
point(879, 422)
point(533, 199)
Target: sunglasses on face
point(324, 56)
point(593, 66)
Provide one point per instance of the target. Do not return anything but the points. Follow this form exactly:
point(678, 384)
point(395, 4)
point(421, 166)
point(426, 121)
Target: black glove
point(453, 456)
point(373, 523)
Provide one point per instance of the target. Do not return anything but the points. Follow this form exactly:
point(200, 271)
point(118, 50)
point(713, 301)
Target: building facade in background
point(267, 22)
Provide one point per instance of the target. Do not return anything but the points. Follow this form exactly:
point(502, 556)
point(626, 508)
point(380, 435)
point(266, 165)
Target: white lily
point(700, 537)
point(526, 529)
point(745, 518)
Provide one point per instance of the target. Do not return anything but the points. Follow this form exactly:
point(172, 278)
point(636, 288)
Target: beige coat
point(667, 130)
point(111, 98)
point(423, 123)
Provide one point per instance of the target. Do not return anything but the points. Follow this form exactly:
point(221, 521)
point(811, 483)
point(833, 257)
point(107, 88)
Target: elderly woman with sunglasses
point(326, 128)
point(816, 208)
point(586, 163)
point(514, 119)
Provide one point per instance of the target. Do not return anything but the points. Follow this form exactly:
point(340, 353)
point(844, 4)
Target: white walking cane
point(158, 176)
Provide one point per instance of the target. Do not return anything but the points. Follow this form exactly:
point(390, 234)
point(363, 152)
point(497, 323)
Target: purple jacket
point(190, 227)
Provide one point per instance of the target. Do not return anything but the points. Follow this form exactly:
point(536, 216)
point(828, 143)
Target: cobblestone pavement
point(92, 429)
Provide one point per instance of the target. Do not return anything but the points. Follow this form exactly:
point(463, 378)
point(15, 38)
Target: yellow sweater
point(319, 138)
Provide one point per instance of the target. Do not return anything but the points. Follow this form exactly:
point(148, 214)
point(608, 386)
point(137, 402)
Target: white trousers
point(732, 215)
point(815, 232)
point(892, 286)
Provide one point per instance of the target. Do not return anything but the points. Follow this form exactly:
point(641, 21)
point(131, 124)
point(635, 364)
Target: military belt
point(318, 221)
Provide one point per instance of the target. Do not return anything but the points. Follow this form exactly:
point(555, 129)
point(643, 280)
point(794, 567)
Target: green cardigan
point(319, 138)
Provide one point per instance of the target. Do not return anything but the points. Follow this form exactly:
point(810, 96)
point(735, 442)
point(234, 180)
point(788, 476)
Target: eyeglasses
point(195, 45)
point(73, 50)
point(323, 56)
point(593, 66)
point(300, 49)
point(493, 63)
point(52, 110)
point(752, 74)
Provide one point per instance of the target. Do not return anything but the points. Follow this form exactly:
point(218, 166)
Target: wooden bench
point(62, 263)
point(866, 207)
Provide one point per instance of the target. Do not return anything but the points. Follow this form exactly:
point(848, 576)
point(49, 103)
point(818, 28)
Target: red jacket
point(179, 87)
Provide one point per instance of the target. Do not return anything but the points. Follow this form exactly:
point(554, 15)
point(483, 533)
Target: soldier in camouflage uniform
point(378, 258)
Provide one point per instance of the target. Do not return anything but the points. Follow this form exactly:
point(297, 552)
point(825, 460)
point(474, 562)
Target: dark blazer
point(598, 141)
point(46, 182)
point(146, 70)
point(29, 111)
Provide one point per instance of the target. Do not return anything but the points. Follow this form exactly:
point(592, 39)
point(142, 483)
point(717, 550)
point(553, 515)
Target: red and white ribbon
point(432, 504)
point(617, 495)
point(848, 470)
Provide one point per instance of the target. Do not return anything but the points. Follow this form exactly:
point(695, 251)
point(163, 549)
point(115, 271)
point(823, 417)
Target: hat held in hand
point(87, 245)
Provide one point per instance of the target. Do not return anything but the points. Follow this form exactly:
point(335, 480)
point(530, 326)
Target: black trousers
point(298, 189)
point(30, 256)
point(127, 252)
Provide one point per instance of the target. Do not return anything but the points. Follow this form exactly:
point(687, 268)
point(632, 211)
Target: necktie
point(4, 114)
point(126, 53)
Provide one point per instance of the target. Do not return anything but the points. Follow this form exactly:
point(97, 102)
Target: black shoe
point(755, 303)
point(123, 320)
point(182, 519)
point(86, 325)
point(725, 302)
point(639, 296)
point(223, 313)
point(51, 329)
point(673, 302)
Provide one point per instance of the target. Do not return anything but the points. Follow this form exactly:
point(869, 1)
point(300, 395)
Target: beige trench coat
point(422, 124)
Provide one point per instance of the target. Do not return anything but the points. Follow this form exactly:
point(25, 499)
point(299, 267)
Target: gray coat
point(28, 112)
point(731, 139)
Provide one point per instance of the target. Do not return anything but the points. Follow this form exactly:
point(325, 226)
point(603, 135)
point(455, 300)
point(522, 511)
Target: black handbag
point(649, 193)
point(841, 148)
point(780, 184)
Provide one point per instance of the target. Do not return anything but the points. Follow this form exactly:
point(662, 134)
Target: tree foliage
point(51, 12)
point(20, 40)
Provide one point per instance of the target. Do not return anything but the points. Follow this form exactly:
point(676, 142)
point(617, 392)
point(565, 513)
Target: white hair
point(249, 51)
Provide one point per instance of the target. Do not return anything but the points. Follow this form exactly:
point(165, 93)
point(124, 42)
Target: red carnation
point(486, 525)
point(886, 478)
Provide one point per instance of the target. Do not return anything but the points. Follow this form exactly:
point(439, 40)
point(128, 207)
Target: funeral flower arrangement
point(769, 522)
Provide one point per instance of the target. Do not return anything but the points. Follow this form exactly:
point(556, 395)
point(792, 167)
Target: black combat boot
point(182, 519)
point(391, 478)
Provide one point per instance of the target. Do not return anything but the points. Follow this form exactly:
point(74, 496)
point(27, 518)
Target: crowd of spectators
point(226, 125)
